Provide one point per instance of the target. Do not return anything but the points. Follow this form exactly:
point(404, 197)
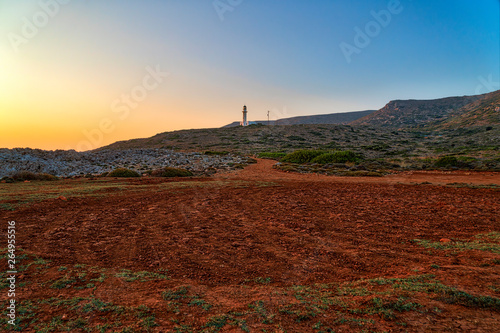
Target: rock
point(76, 164)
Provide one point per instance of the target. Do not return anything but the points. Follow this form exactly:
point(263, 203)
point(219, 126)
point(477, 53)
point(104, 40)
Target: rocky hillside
point(67, 163)
point(418, 113)
point(483, 112)
point(255, 138)
point(332, 118)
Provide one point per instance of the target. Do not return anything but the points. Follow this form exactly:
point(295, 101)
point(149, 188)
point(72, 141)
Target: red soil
point(299, 230)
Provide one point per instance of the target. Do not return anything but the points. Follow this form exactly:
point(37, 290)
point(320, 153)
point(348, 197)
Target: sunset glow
point(66, 63)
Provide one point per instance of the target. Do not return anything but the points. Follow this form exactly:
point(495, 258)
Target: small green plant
point(100, 279)
point(175, 294)
point(210, 152)
point(260, 309)
point(216, 323)
point(64, 282)
point(171, 172)
point(262, 280)
point(142, 276)
point(100, 306)
point(78, 323)
point(386, 308)
point(446, 162)
point(123, 172)
point(149, 322)
point(201, 303)
point(296, 138)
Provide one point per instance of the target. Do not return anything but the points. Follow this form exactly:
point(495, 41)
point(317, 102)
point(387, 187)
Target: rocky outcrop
point(413, 113)
point(64, 163)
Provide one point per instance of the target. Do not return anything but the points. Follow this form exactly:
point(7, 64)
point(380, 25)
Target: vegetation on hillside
point(171, 172)
point(29, 176)
point(415, 136)
point(123, 172)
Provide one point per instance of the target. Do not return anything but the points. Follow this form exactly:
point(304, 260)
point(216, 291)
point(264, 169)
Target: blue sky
point(283, 56)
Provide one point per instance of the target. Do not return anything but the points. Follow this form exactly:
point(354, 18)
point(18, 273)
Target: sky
point(80, 74)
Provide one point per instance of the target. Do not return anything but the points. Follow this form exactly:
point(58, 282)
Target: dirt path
point(263, 170)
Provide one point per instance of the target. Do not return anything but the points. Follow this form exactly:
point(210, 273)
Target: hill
point(402, 130)
point(417, 113)
point(332, 118)
point(483, 112)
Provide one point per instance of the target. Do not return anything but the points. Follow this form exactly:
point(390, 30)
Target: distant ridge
point(421, 113)
point(485, 111)
point(332, 118)
point(445, 114)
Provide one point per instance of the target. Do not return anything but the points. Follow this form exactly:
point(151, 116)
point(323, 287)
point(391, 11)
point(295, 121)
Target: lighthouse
point(245, 121)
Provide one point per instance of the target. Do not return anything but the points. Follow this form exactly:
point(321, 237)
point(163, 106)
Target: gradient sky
point(61, 84)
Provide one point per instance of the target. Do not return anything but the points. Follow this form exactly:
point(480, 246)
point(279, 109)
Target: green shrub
point(222, 153)
point(446, 162)
point(296, 138)
point(8, 179)
point(171, 172)
point(271, 155)
point(123, 172)
point(336, 157)
point(27, 175)
point(302, 156)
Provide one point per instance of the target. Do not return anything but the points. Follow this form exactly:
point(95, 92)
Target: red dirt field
point(257, 250)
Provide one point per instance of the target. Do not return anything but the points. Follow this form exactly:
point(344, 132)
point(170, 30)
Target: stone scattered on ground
point(69, 163)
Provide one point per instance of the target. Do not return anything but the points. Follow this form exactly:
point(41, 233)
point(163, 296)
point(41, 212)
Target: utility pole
point(268, 118)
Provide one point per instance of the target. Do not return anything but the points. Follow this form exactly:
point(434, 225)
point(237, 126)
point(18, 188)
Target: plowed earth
point(257, 250)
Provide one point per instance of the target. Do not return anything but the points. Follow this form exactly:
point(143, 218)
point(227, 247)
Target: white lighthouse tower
point(245, 121)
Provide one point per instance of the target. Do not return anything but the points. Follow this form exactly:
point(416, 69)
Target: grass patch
point(387, 307)
point(262, 280)
point(217, 323)
point(175, 294)
point(142, 276)
point(459, 245)
point(64, 282)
